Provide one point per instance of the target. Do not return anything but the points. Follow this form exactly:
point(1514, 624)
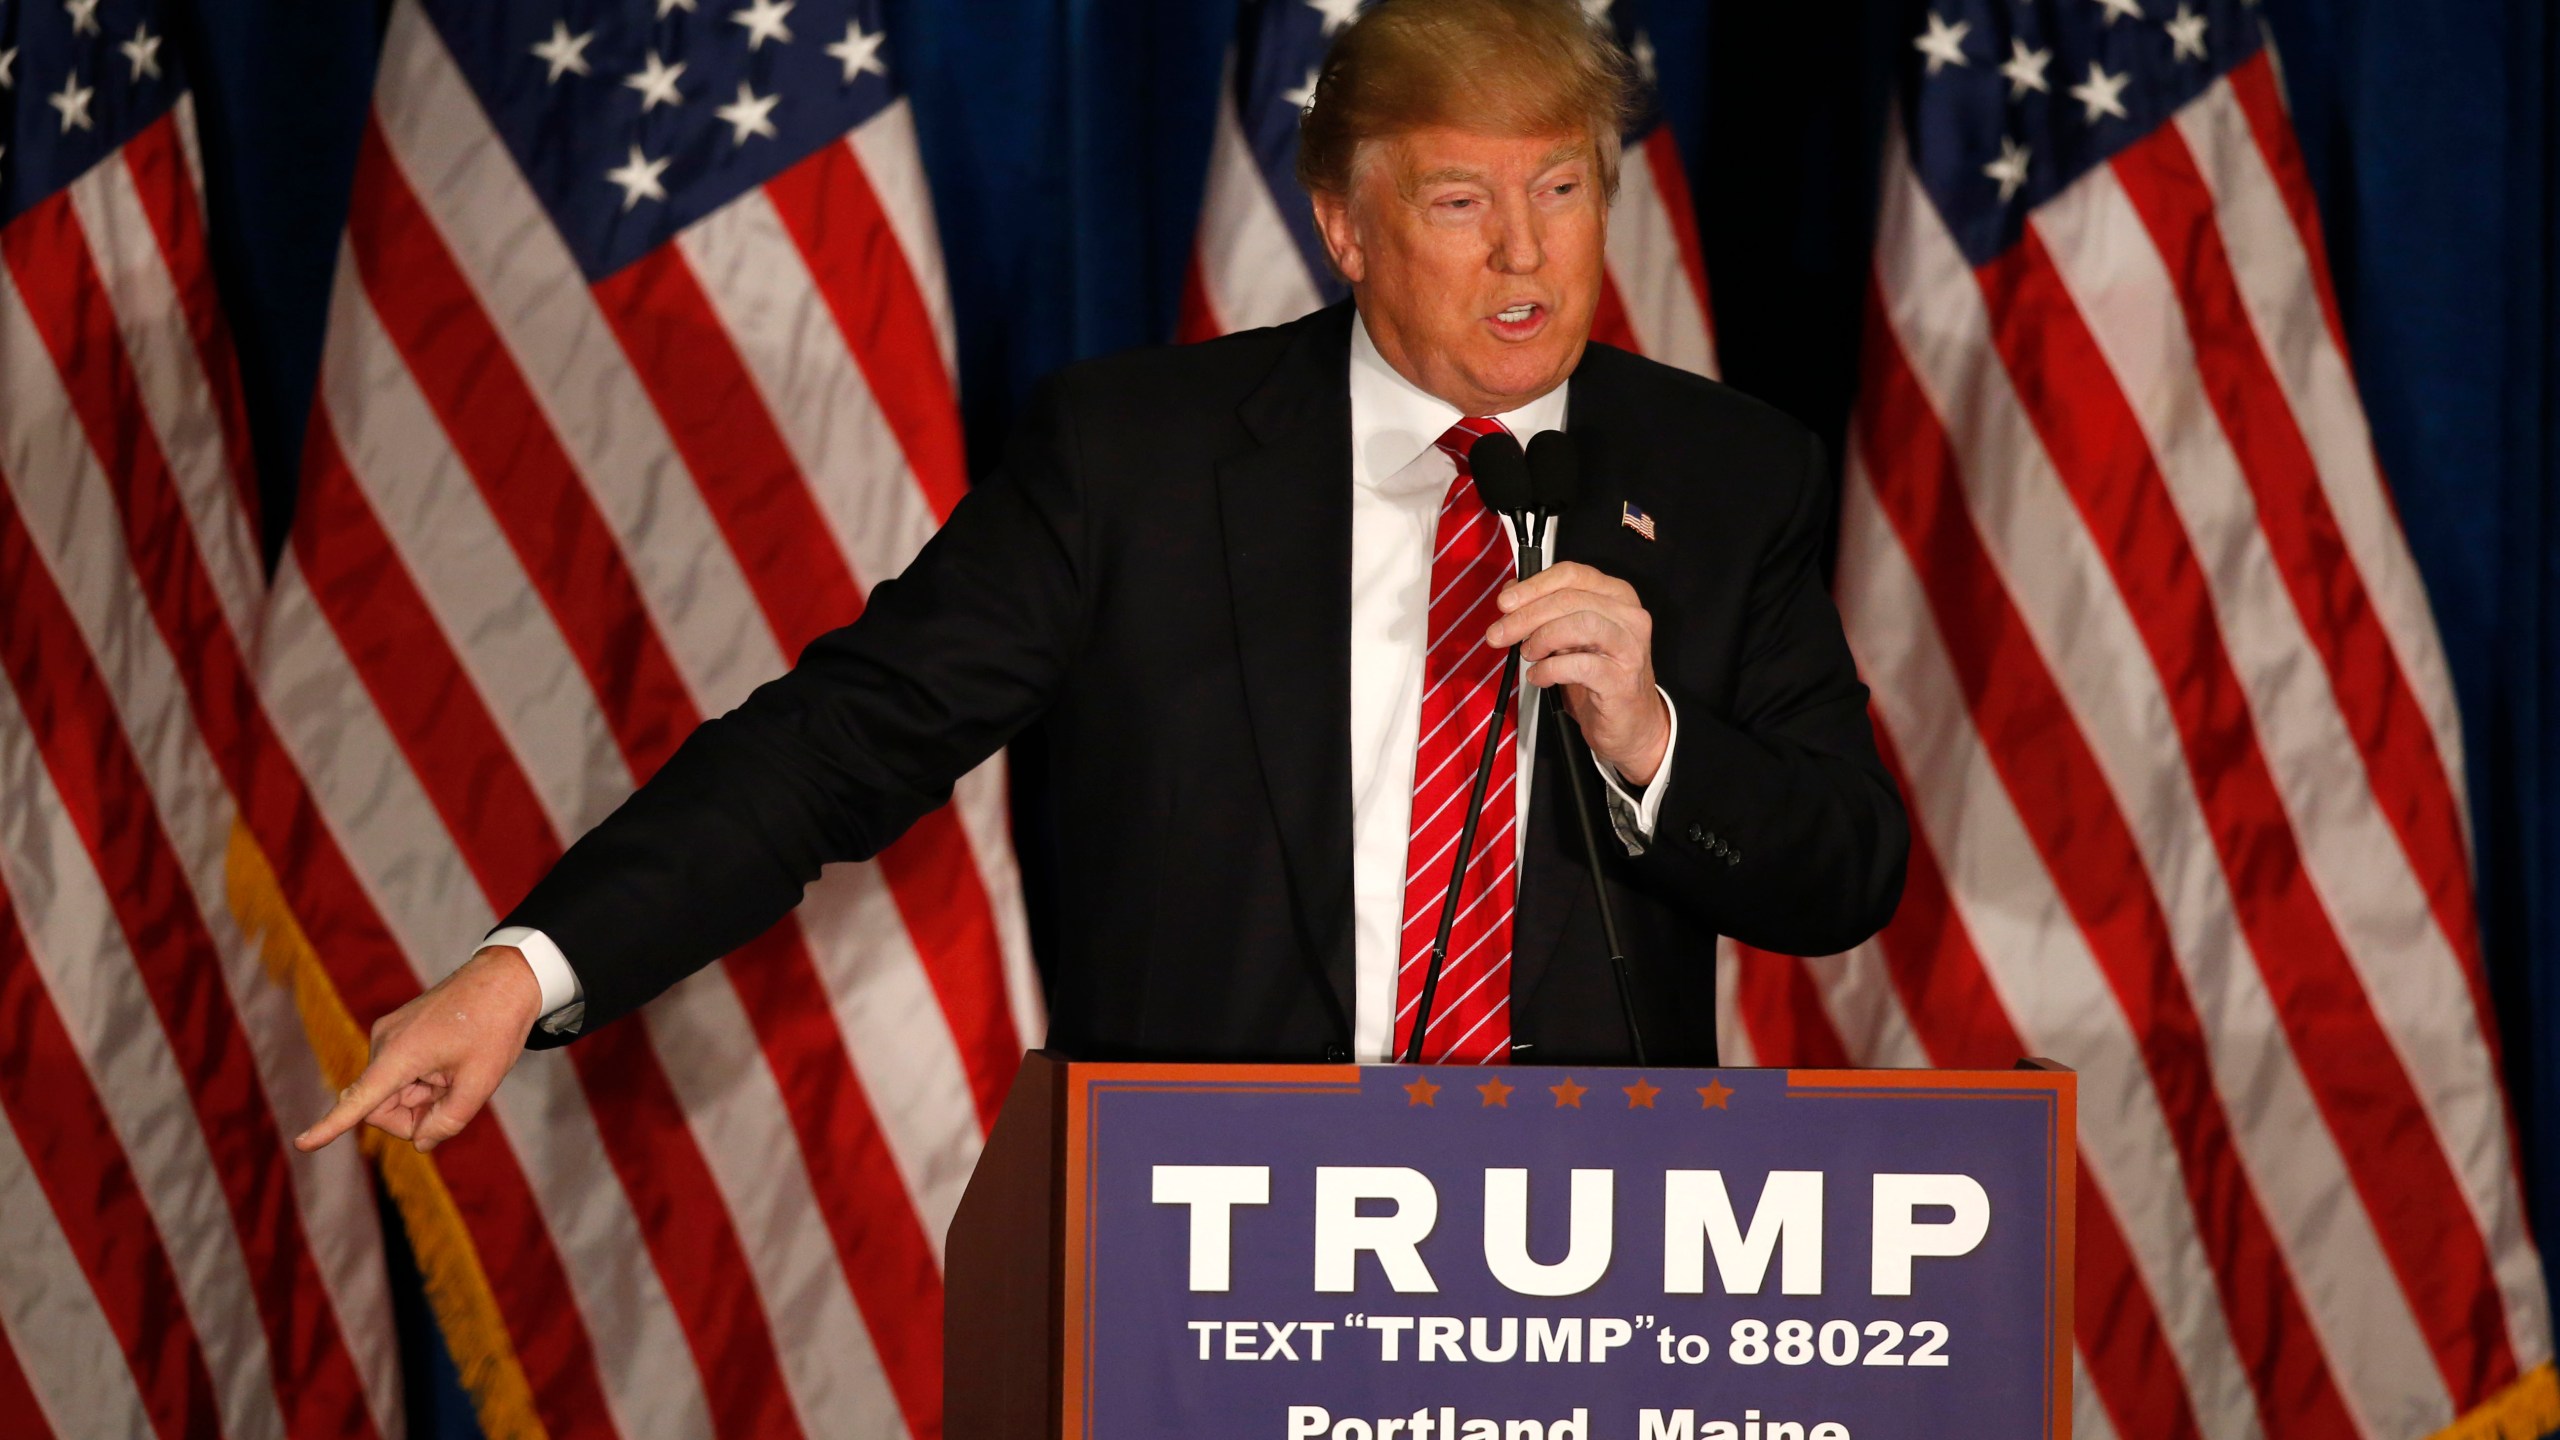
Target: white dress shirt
point(1399, 478)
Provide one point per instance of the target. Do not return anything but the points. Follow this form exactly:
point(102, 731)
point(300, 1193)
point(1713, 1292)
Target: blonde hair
point(1504, 67)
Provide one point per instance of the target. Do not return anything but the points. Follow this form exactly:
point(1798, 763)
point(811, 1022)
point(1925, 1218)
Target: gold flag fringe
point(456, 1285)
point(2529, 1409)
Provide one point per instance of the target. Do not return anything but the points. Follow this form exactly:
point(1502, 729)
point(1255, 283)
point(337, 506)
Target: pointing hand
point(437, 1059)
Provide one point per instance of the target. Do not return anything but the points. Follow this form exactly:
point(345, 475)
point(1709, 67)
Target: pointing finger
point(380, 1081)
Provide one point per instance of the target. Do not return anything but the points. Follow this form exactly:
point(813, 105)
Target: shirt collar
point(1394, 421)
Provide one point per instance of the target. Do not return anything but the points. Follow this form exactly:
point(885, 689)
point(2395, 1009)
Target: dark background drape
point(1067, 141)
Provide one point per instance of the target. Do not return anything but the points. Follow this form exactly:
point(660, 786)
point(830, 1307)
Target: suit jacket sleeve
point(1781, 827)
point(835, 759)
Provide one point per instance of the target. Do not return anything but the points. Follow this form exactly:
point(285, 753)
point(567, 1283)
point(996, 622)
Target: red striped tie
point(1471, 1010)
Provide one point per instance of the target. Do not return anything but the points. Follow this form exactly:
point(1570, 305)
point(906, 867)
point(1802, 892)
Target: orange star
point(1496, 1093)
point(1713, 1094)
point(1640, 1095)
point(1569, 1093)
point(1422, 1092)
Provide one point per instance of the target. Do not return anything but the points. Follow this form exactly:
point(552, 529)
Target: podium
point(1179, 1252)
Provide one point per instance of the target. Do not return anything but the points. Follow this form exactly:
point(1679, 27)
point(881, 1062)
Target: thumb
point(458, 1106)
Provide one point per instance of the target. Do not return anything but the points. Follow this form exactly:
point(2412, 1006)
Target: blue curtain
point(1067, 141)
point(2433, 134)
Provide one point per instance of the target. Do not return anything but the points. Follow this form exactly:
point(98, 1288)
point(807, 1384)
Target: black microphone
point(1502, 482)
point(1555, 471)
point(1555, 478)
point(1501, 472)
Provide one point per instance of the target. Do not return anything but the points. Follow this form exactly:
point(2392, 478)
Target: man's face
point(1476, 259)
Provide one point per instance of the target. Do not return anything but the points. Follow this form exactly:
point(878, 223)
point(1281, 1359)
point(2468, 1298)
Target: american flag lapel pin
point(1634, 518)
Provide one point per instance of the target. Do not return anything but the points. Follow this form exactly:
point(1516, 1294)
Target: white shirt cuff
point(563, 998)
point(1633, 816)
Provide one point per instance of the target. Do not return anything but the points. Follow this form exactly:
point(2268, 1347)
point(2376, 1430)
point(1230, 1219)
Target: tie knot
point(1459, 439)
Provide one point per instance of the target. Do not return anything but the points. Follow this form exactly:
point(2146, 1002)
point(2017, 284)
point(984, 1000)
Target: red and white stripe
point(2151, 658)
point(545, 528)
point(1654, 299)
point(168, 1265)
point(1247, 272)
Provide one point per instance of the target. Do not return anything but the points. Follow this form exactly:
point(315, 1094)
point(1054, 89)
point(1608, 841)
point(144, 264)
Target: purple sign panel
point(1438, 1253)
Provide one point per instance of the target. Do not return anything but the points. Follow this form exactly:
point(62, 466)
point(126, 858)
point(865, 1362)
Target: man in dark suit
point(1250, 588)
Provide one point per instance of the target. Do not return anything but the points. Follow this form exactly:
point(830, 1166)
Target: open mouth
point(1519, 321)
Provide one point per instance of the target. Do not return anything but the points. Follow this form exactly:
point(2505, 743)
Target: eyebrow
point(1447, 174)
point(1458, 174)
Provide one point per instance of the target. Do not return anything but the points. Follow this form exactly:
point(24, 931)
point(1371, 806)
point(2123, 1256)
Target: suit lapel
point(1286, 511)
point(1553, 883)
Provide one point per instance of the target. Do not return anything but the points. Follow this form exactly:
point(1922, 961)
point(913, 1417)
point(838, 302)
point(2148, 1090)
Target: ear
point(1341, 237)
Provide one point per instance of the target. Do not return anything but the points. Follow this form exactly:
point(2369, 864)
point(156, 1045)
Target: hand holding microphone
point(1583, 631)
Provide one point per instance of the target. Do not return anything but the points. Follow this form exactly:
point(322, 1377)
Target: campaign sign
point(1444, 1253)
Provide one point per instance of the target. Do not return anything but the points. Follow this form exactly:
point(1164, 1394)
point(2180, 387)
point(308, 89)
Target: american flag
point(2159, 677)
point(638, 376)
point(1258, 261)
point(168, 1265)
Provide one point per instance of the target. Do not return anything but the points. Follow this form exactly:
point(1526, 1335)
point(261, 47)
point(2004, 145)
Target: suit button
point(1336, 1055)
point(1733, 857)
point(1697, 835)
